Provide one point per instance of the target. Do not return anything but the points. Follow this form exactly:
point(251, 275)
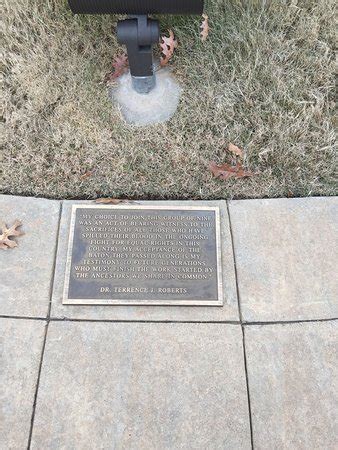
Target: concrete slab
point(20, 352)
point(228, 312)
point(293, 375)
point(286, 258)
point(142, 386)
point(26, 271)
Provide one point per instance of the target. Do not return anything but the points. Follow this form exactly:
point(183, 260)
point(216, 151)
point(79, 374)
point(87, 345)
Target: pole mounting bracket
point(139, 33)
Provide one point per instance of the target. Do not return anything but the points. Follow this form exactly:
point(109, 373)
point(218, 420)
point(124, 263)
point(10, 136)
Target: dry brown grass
point(264, 81)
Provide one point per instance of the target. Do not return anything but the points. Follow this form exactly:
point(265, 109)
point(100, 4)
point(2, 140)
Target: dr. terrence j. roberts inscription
point(144, 255)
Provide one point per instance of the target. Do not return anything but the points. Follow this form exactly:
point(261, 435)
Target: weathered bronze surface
point(144, 255)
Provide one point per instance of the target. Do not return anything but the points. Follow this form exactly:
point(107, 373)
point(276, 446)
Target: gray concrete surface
point(286, 258)
point(293, 382)
point(26, 271)
point(187, 384)
point(20, 354)
point(142, 386)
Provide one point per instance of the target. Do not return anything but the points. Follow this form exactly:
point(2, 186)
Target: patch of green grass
point(264, 80)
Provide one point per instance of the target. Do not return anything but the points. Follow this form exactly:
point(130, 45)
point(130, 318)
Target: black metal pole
point(138, 34)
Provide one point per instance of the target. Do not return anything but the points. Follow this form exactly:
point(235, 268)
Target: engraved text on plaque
point(144, 255)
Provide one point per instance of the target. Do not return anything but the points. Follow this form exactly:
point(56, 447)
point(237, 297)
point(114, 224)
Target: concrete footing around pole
point(159, 105)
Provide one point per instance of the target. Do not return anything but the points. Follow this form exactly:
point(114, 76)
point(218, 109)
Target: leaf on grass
point(204, 27)
point(226, 171)
point(87, 174)
point(7, 233)
point(235, 150)
point(112, 201)
point(168, 47)
point(119, 67)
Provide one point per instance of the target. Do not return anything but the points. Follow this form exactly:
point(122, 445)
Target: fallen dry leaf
point(119, 67)
point(235, 150)
point(168, 47)
point(226, 171)
point(86, 175)
point(112, 201)
point(7, 233)
point(204, 27)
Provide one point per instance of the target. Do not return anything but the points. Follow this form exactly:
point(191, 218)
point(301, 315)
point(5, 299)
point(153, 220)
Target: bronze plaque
point(144, 255)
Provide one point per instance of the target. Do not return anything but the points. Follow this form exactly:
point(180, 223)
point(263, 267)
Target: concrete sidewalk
point(260, 372)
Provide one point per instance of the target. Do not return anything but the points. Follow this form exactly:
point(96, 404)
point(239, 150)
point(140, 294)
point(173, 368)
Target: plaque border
point(123, 302)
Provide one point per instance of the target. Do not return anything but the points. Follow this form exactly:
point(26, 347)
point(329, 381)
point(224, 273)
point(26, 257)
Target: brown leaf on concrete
point(235, 150)
point(119, 67)
point(111, 201)
point(204, 27)
point(226, 171)
point(7, 233)
point(168, 46)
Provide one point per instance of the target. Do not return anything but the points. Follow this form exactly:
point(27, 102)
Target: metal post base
point(139, 34)
point(143, 85)
point(157, 106)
